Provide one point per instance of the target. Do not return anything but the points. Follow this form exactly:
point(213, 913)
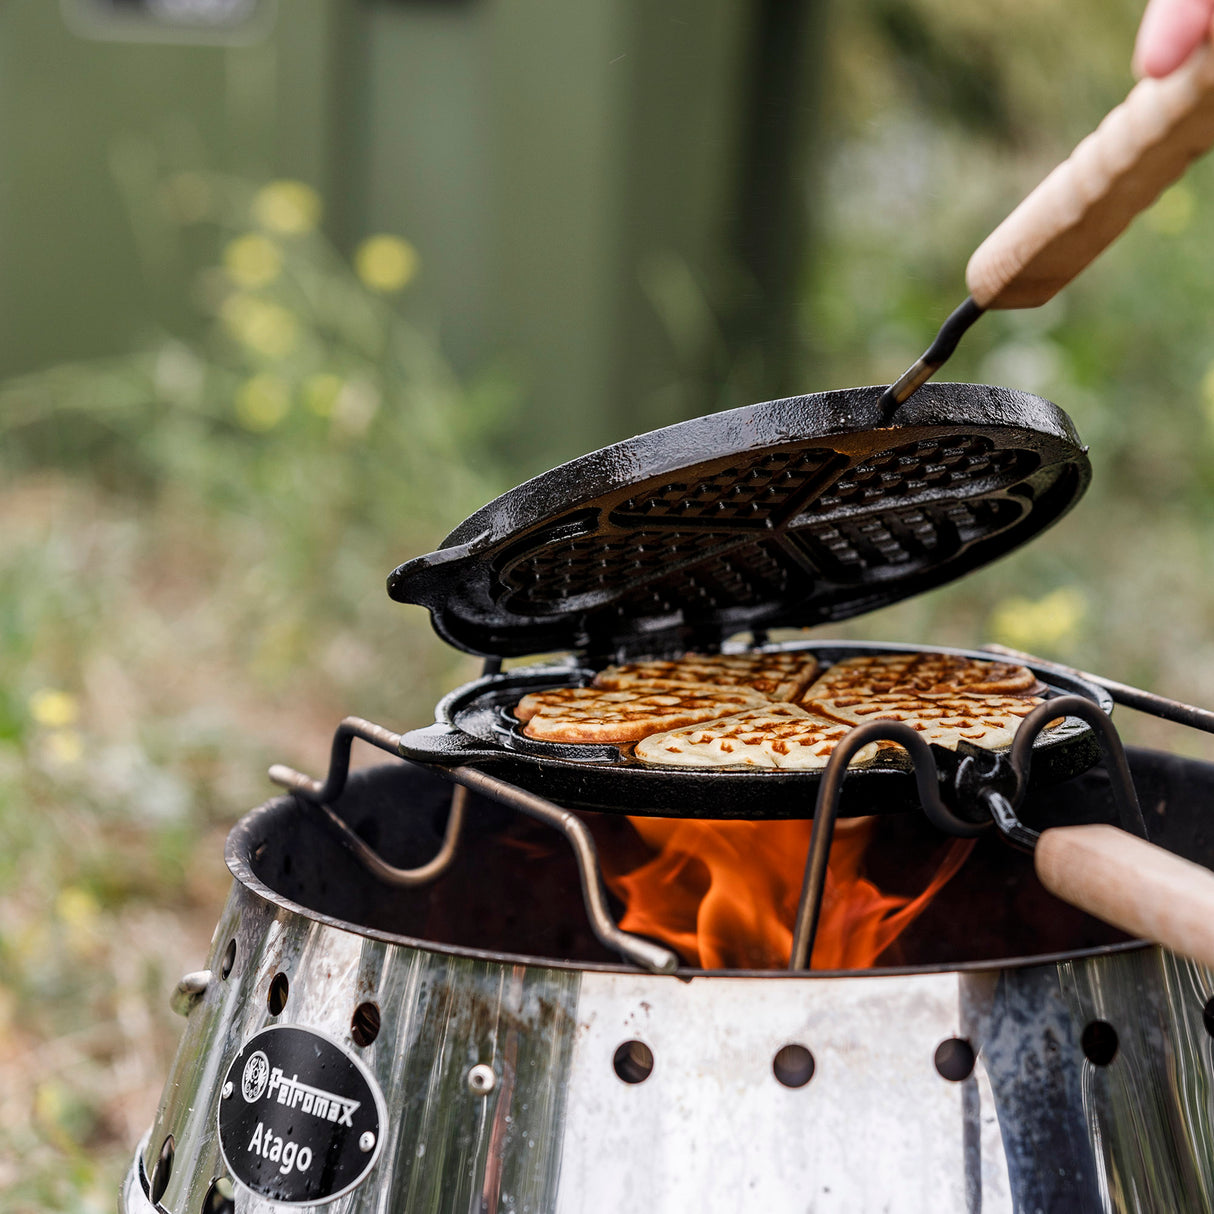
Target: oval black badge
point(299, 1119)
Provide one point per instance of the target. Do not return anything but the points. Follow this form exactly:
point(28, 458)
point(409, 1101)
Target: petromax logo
point(256, 1076)
point(300, 1120)
point(260, 1079)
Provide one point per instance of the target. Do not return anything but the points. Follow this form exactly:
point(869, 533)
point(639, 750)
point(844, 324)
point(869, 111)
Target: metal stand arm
point(636, 949)
point(318, 795)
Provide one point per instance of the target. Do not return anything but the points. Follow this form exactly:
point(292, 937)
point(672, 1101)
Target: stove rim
point(238, 858)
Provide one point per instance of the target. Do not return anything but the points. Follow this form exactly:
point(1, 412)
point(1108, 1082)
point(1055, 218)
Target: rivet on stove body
point(227, 1089)
point(366, 1141)
point(481, 1079)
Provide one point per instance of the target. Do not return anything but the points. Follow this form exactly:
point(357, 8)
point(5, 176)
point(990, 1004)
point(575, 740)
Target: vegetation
point(942, 116)
point(191, 585)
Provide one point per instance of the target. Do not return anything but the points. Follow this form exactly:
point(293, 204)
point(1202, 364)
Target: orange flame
point(724, 894)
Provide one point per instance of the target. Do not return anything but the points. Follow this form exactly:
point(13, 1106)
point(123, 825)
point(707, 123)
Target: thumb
point(1170, 31)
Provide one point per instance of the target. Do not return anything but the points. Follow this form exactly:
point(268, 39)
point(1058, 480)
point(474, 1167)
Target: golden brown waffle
point(778, 676)
point(923, 674)
point(593, 714)
point(989, 721)
point(775, 736)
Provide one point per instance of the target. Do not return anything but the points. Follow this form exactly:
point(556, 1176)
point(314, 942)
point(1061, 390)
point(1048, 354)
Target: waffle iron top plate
point(790, 513)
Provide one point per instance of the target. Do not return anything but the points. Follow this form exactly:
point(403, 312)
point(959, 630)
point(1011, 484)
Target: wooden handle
point(1131, 884)
point(1143, 146)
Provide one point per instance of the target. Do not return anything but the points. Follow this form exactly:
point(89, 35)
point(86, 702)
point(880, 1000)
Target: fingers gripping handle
point(1143, 146)
point(1131, 884)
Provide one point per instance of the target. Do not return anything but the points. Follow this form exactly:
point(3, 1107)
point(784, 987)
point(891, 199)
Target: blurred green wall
point(80, 116)
point(575, 177)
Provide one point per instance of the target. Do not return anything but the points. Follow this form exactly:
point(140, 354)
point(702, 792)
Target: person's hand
point(1169, 33)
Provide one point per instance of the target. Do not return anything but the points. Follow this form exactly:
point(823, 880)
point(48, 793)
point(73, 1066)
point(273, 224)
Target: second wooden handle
point(1143, 146)
point(1131, 884)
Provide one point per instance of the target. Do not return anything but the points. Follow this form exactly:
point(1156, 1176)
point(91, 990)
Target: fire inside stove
point(723, 895)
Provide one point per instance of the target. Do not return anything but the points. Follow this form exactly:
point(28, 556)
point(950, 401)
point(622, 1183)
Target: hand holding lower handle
point(1140, 148)
point(1132, 884)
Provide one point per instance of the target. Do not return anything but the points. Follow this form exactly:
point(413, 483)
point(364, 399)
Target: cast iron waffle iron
point(790, 513)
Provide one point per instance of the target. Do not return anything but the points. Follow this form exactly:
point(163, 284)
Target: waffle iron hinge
point(994, 785)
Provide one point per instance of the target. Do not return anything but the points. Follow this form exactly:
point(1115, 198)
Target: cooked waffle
point(923, 674)
point(593, 714)
point(989, 721)
point(779, 736)
point(778, 676)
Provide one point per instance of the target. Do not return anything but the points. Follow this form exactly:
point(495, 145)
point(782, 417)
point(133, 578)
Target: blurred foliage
point(191, 584)
point(940, 118)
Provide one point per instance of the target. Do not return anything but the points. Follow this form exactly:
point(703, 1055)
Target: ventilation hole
point(364, 1028)
point(279, 990)
point(163, 1170)
point(229, 959)
point(1099, 1042)
point(220, 1198)
point(955, 1059)
point(793, 1066)
point(1207, 1016)
point(633, 1062)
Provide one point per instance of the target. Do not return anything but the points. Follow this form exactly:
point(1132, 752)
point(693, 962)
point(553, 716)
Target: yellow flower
point(50, 1103)
point(262, 402)
point(1042, 624)
point(264, 327)
point(80, 915)
point(289, 207)
point(321, 393)
point(1173, 211)
point(65, 746)
point(385, 263)
point(252, 260)
point(54, 709)
point(77, 907)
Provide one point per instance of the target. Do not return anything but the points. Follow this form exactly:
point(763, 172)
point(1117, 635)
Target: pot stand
point(996, 784)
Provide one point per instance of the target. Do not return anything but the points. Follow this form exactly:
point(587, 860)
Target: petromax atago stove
point(419, 998)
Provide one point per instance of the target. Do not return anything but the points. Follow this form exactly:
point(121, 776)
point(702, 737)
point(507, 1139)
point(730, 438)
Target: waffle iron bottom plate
point(474, 728)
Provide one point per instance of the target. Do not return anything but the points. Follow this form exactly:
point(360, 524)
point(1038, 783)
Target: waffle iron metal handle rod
point(809, 909)
point(636, 949)
point(997, 808)
point(1114, 874)
point(1131, 884)
point(1123, 693)
point(319, 795)
point(1140, 148)
point(1125, 796)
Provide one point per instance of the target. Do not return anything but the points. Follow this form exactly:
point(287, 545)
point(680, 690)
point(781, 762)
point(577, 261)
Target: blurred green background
point(288, 290)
